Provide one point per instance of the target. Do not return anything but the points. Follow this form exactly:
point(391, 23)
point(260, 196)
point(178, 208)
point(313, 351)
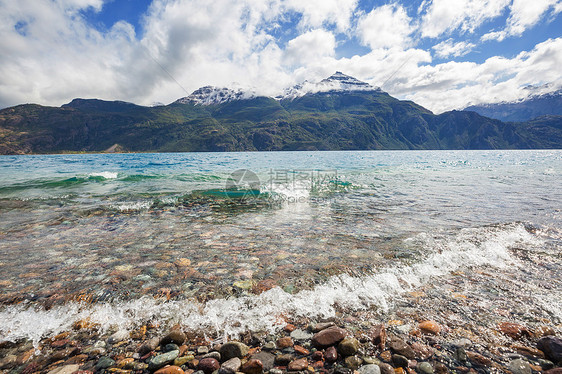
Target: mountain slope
point(348, 116)
point(521, 111)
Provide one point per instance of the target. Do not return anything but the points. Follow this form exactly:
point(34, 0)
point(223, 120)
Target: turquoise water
point(319, 230)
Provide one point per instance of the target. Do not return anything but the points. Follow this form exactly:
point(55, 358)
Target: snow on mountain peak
point(337, 82)
point(210, 95)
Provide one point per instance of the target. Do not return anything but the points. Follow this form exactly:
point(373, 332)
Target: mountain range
point(522, 110)
point(337, 113)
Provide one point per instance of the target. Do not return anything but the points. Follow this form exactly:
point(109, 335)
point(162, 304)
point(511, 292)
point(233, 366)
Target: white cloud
point(50, 54)
point(318, 13)
point(454, 85)
point(311, 46)
point(385, 27)
point(524, 15)
point(445, 16)
point(448, 48)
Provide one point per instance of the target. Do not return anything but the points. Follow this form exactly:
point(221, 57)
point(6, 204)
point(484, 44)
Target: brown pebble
point(554, 371)
point(170, 370)
point(283, 360)
point(252, 366)
point(25, 356)
point(174, 336)
point(60, 343)
point(322, 326)
point(331, 354)
point(422, 351)
point(328, 337)
point(399, 371)
point(378, 336)
point(289, 327)
point(528, 351)
point(301, 350)
point(78, 359)
point(208, 365)
point(317, 356)
point(298, 365)
point(400, 347)
point(440, 368)
point(514, 330)
point(386, 368)
point(284, 342)
point(386, 356)
point(430, 327)
point(478, 359)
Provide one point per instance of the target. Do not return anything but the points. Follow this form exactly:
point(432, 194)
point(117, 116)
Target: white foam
point(104, 174)
point(488, 246)
point(132, 206)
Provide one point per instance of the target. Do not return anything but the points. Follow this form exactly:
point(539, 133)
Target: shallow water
point(467, 236)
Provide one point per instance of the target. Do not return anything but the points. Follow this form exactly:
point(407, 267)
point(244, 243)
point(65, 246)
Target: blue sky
point(443, 54)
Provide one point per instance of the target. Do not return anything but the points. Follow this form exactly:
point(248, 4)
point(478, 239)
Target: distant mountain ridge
point(337, 113)
point(522, 110)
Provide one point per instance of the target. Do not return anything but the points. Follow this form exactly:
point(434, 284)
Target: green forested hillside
point(321, 121)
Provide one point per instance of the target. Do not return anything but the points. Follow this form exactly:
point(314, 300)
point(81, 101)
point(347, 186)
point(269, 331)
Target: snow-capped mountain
point(338, 82)
point(538, 103)
point(210, 95)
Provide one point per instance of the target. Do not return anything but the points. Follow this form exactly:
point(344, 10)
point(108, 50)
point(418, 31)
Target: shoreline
point(342, 345)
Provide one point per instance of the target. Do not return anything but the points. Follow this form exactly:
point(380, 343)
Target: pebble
point(552, 347)
point(545, 364)
point(171, 347)
point(425, 368)
point(554, 371)
point(208, 365)
point(400, 347)
point(67, 369)
point(430, 327)
point(328, 337)
point(386, 368)
point(269, 346)
point(478, 359)
point(104, 362)
point(378, 336)
point(519, 367)
point(233, 349)
point(369, 369)
point(252, 366)
point(300, 335)
point(400, 361)
point(460, 354)
point(321, 326)
point(159, 361)
point(353, 362)
point(174, 336)
point(284, 359)
point(514, 330)
point(119, 336)
point(149, 345)
point(170, 370)
point(202, 350)
point(284, 342)
point(183, 360)
point(348, 346)
point(298, 365)
point(232, 365)
point(215, 355)
point(8, 361)
point(440, 368)
point(266, 358)
point(331, 354)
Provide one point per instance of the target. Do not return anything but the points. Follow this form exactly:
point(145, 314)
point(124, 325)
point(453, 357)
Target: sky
point(442, 54)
